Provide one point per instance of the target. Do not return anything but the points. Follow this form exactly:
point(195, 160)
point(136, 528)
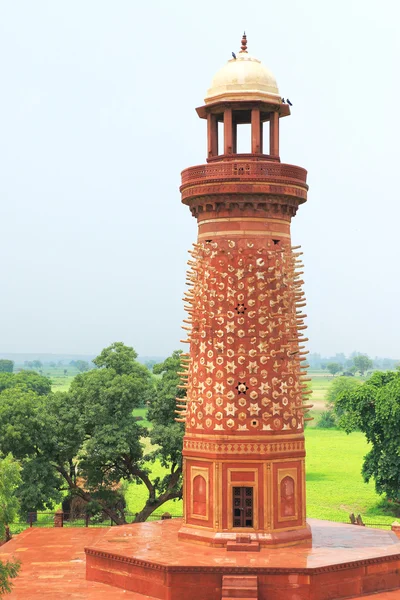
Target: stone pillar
point(234, 138)
point(255, 131)
point(274, 134)
point(59, 518)
point(228, 130)
point(212, 131)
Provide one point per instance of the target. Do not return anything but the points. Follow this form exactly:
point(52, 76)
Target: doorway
point(242, 506)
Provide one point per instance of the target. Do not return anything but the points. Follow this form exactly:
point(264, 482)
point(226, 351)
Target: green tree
point(374, 408)
point(9, 480)
point(333, 368)
point(82, 365)
point(36, 364)
point(6, 366)
point(362, 363)
point(87, 440)
point(28, 380)
point(166, 435)
point(339, 385)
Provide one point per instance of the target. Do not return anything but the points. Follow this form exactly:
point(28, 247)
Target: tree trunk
point(150, 507)
point(112, 514)
point(152, 503)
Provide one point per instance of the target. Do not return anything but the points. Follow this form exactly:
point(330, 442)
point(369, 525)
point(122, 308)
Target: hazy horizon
point(97, 121)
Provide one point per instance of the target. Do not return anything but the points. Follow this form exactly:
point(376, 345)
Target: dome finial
point(244, 43)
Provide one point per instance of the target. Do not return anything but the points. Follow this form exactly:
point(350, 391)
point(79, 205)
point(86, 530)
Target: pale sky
point(97, 121)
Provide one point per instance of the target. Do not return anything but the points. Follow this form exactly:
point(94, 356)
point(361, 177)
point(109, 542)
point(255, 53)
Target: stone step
point(239, 587)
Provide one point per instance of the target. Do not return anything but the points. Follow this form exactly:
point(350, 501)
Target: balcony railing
point(244, 170)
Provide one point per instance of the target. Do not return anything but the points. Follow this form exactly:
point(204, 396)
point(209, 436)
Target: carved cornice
point(242, 448)
point(271, 205)
point(238, 569)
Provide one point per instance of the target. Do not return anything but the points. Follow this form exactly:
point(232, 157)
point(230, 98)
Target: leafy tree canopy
point(9, 480)
point(6, 366)
point(362, 363)
point(27, 380)
point(374, 408)
point(337, 387)
point(87, 440)
point(119, 357)
point(82, 365)
point(333, 367)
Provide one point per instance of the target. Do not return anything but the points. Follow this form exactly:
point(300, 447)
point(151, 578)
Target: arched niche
point(287, 494)
point(199, 494)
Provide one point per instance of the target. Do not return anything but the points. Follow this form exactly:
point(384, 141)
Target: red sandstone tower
point(245, 385)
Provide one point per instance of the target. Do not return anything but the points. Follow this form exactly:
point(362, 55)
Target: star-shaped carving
point(254, 409)
point(230, 327)
point(241, 387)
point(230, 409)
point(240, 273)
point(275, 408)
point(230, 367)
point(202, 347)
point(264, 387)
point(210, 367)
point(262, 346)
point(260, 274)
point(240, 309)
point(219, 388)
point(253, 367)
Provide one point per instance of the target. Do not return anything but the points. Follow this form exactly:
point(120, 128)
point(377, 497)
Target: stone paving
point(53, 566)
point(53, 560)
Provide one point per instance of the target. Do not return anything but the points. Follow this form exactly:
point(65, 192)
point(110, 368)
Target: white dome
point(243, 78)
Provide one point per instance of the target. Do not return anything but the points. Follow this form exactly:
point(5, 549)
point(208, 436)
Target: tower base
point(344, 561)
point(275, 539)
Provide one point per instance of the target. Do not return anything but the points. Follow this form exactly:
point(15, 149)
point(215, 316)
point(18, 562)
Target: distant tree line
point(347, 363)
point(6, 366)
point(360, 363)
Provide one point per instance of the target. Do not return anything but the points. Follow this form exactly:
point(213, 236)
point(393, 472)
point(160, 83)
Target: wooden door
point(242, 506)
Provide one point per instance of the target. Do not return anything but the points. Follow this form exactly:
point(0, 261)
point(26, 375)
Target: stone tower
point(246, 390)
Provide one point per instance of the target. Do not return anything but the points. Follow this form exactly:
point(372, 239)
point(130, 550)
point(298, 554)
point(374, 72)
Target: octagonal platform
point(345, 561)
